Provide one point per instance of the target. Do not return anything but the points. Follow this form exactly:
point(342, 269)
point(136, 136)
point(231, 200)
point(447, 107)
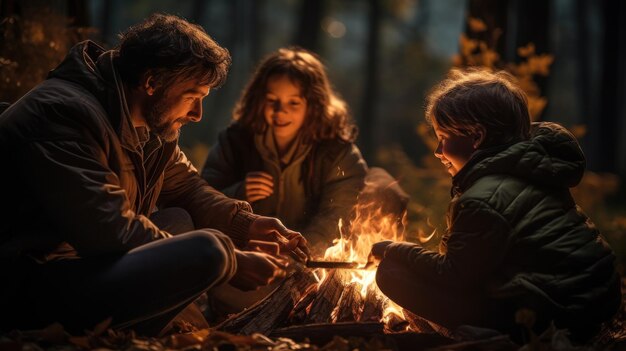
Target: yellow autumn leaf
point(490, 57)
point(476, 25)
point(467, 45)
point(526, 51)
point(540, 64)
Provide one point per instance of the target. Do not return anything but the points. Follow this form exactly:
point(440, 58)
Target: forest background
point(383, 56)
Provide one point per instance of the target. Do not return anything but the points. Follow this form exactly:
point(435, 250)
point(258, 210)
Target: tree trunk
point(308, 35)
point(370, 96)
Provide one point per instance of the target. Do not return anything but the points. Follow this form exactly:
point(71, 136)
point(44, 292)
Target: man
point(96, 186)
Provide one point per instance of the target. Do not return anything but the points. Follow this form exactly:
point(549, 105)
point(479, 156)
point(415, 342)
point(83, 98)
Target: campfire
point(311, 301)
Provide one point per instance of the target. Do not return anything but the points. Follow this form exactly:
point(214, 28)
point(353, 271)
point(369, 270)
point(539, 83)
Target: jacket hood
point(551, 157)
point(87, 64)
point(79, 66)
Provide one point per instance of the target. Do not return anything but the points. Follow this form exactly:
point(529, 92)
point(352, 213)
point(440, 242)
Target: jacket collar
point(90, 66)
point(116, 103)
point(266, 145)
point(463, 179)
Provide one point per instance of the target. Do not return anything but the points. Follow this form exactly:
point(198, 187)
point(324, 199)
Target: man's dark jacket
point(75, 182)
point(516, 235)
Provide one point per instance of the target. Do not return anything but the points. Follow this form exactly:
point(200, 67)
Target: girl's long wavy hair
point(327, 115)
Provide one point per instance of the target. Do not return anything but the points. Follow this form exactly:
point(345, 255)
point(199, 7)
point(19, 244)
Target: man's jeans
point(143, 289)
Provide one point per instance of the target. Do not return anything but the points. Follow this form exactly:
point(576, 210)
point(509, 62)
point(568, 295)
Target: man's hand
point(271, 229)
point(256, 269)
point(259, 185)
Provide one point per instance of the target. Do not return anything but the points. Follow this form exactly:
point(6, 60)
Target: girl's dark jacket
point(333, 174)
point(515, 234)
point(74, 180)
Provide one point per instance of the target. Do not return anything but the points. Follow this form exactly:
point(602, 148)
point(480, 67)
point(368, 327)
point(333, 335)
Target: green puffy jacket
point(515, 235)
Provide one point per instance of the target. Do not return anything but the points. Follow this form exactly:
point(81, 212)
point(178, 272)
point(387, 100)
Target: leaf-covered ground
point(54, 337)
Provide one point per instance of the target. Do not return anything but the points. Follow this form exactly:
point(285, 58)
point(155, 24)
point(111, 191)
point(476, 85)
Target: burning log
point(327, 297)
point(269, 313)
point(300, 300)
point(350, 303)
point(300, 311)
point(373, 306)
point(396, 323)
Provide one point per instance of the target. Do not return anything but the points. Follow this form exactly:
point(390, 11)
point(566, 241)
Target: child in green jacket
point(515, 238)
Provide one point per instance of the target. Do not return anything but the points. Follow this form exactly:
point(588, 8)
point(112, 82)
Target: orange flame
point(369, 226)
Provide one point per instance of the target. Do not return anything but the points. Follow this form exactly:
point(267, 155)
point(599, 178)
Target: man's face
point(171, 107)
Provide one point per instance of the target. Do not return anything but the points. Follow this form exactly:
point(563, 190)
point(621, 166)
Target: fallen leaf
point(80, 341)
point(101, 327)
point(54, 334)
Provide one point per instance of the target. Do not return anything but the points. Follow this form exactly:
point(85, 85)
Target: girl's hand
point(259, 185)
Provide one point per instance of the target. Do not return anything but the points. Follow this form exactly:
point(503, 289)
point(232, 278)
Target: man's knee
point(214, 254)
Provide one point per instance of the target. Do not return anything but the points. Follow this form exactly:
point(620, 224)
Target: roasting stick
point(298, 255)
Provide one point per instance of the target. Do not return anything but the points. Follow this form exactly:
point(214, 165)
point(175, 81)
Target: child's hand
point(378, 249)
point(259, 185)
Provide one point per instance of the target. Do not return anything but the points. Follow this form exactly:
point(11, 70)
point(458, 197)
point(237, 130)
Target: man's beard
point(157, 120)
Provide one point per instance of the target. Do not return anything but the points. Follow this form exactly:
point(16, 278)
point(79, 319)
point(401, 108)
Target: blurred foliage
point(474, 52)
point(32, 45)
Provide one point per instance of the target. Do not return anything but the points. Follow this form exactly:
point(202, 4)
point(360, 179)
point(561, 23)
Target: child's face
point(453, 150)
point(285, 108)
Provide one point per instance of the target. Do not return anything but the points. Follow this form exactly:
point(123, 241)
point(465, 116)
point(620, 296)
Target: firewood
point(267, 314)
point(417, 323)
point(327, 297)
point(372, 306)
point(350, 303)
point(300, 311)
point(396, 323)
point(321, 333)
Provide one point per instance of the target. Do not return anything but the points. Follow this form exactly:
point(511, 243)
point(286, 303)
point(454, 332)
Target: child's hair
point(473, 99)
point(327, 115)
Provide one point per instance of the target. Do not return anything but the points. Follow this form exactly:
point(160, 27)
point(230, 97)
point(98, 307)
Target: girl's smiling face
point(454, 151)
point(285, 109)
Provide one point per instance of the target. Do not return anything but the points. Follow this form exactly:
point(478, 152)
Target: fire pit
point(343, 302)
